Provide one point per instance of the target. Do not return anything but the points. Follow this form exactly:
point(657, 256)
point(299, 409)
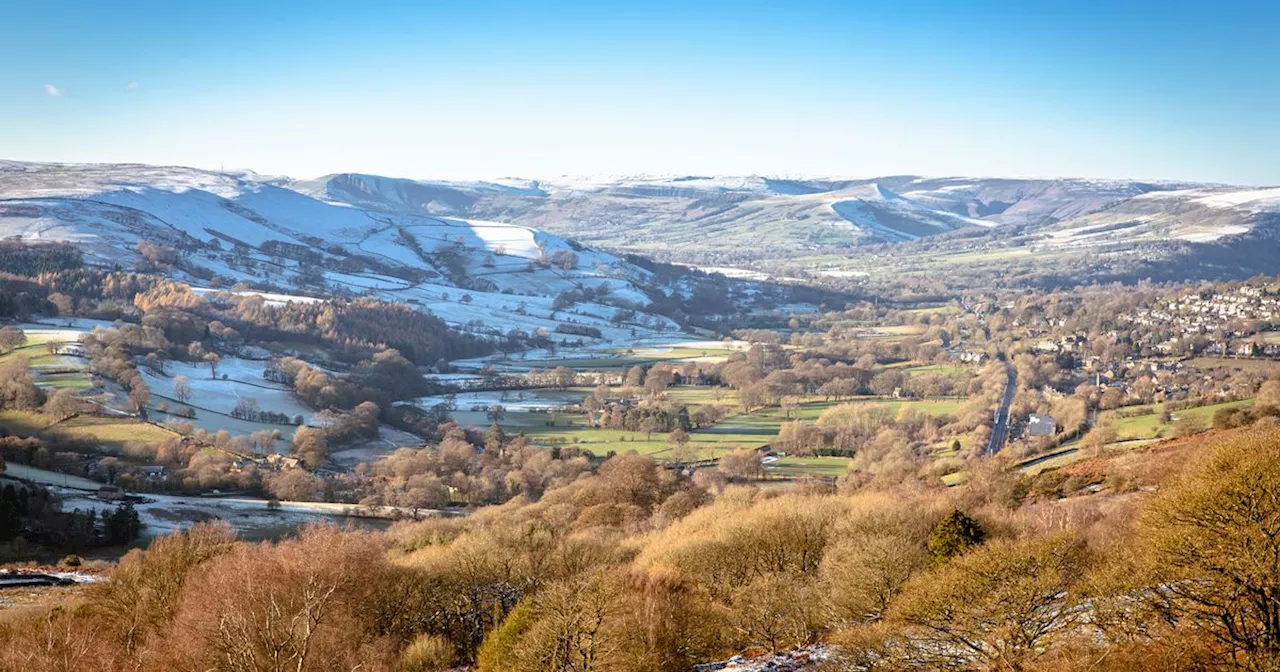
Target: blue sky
point(471, 90)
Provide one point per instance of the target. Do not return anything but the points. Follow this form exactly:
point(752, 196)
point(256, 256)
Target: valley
point(204, 360)
point(639, 337)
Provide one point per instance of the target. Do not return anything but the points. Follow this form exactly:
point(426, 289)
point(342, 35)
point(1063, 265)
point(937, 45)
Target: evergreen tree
point(10, 506)
point(956, 534)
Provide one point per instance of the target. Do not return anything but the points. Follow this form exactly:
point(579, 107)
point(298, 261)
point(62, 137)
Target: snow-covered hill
point(232, 228)
point(703, 218)
point(887, 215)
point(502, 242)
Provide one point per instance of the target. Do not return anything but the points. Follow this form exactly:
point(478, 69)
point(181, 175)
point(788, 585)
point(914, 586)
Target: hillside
point(414, 241)
point(705, 220)
point(247, 231)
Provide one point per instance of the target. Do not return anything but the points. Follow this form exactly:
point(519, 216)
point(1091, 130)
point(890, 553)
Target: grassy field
point(572, 430)
point(215, 422)
point(1263, 366)
point(831, 467)
point(934, 310)
point(934, 407)
point(700, 396)
point(39, 357)
point(108, 431)
point(737, 431)
point(684, 352)
point(894, 333)
point(915, 369)
point(75, 381)
point(1149, 426)
point(111, 431)
point(22, 422)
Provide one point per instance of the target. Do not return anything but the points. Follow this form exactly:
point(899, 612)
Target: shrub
point(956, 534)
point(427, 653)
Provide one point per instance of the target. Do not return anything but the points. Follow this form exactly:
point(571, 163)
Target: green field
point(700, 396)
point(752, 430)
point(75, 381)
point(683, 352)
point(572, 430)
point(934, 407)
point(1149, 426)
point(894, 333)
point(1266, 367)
point(915, 369)
point(39, 357)
point(934, 310)
point(112, 431)
point(22, 422)
point(830, 467)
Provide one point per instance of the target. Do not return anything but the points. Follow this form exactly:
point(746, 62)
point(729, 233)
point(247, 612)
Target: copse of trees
point(353, 329)
point(379, 381)
point(34, 516)
point(17, 387)
point(367, 323)
point(26, 259)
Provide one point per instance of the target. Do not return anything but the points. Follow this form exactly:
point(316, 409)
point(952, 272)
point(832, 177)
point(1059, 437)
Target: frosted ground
point(107, 209)
point(511, 400)
point(244, 380)
point(163, 514)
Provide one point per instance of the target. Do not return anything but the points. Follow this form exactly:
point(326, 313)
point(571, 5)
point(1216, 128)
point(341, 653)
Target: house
point(1041, 425)
point(110, 493)
point(1047, 346)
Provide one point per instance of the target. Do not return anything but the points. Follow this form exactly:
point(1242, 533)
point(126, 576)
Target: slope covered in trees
point(635, 568)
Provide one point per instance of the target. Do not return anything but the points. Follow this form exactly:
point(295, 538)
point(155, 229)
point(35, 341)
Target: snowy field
point(108, 209)
point(244, 380)
point(251, 517)
point(48, 477)
point(64, 328)
point(511, 400)
point(269, 298)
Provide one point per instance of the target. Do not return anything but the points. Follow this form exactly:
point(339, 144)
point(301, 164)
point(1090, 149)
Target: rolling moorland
point(917, 435)
point(980, 232)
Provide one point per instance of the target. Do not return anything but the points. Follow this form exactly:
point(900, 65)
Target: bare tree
point(11, 337)
point(212, 359)
point(182, 388)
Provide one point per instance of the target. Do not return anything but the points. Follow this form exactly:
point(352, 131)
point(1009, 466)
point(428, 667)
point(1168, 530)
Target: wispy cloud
point(131, 86)
point(53, 91)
